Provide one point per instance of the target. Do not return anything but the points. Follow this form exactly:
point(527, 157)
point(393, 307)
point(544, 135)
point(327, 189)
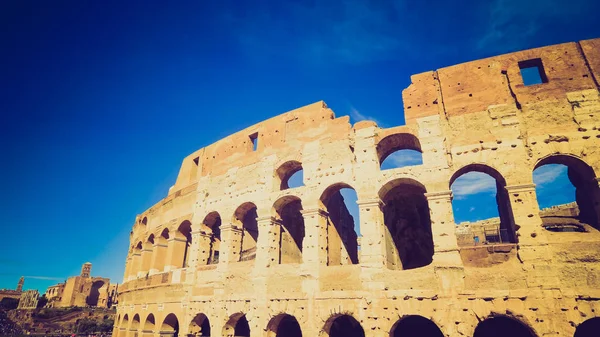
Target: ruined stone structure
point(29, 299)
point(82, 291)
point(232, 251)
point(13, 293)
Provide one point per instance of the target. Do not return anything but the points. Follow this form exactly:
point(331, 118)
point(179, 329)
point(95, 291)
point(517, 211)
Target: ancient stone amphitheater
point(233, 251)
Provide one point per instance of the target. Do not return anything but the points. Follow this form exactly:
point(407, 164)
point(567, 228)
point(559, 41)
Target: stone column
point(231, 241)
point(146, 259)
point(159, 252)
point(314, 245)
point(373, 253)
point(136, 264)
point(175, 253)
point(203, 241)
point(526, 215)
point(267, 246)
point(443, 229)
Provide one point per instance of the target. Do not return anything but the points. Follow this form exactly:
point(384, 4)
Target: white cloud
point(403, 158)
point(473, 183)
point(47, 278)
point(547, 174)
point(471, 209)
point(357, 116)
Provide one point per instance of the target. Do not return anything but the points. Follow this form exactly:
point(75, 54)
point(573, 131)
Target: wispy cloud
point(46, 278)
point(402, 158)
point(357, 116)
point(473, 183)
point(515, 24)
point(548, 174)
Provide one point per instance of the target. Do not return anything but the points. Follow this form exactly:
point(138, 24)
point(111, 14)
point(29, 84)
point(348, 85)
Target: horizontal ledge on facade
point(314, 211)
point(230, 227)
point(440, 195)
point(372, 202)
point(159, 245)
point(177, 239)
point(520, 188)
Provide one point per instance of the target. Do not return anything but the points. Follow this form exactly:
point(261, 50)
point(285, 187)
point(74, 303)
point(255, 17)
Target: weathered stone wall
point(476, 116)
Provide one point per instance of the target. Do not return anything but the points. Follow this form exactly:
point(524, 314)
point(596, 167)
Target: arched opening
point(290, 175)
point(409, 240)
point(165, 234)
point(342, 224)
point(137, 259)
point(135, 325)
point(415, 326)
point(237, 326)
point(502, 326)
point(92, 298)
point(292, 229)
point(149, 325)
point(200, 326)
point(124, 325)
point(170, 326)
point(185, 229)
point(213, 222)
point(481, 206)
point(399, 150)
point(343, 326)
point(145, 221)
point(284, 325)
point(567, 192)
point(245, 217)
point(589, 328)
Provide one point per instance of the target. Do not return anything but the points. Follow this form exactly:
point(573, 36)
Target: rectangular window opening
point(532, 72)
point(254, 140)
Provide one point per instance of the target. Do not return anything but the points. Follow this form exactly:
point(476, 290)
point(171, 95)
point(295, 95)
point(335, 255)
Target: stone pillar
point(447, 263)
point(373, 253)
point(127, 269)
point(136, 264)
point(314, 245)
point(147, 333)
point(231, 241)
point(133, 333)
point(159, 252)
point(193, 258)
point(526, 215)
point(203, 242)
point(175, 253)
point(443, 229)
point(267, 247)
point(146, 259)
point(122, 332)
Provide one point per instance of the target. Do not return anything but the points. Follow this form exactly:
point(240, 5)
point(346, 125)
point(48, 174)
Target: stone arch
point(284, 325)
point(507, 231)
point(245, 218)
point(409, 239)
point(144, 221)
point(185, 230)
point(287, 210)
point(212, 226)
point(396, 142)
point(285, 171)
point(588, 328)
point(342, 239)
point(135, 325)
point(170, 326)
point(237, 325)
point(124, 325)
point(342, 325)
point(415, 326)
point(583, 178)
point(149, 325)
point(199, 326)
point(502, 326)
point(92, 297)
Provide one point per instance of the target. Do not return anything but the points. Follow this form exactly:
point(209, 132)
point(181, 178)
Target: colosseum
point(233, 250)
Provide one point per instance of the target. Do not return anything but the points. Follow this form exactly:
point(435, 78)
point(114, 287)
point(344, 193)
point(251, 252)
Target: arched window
point(245, 218)
point(135, 324)
point(290, 175)
point(283, 325)
point(185, 230)
point(149, 325)
point(409, 239)
point(170, 325)
point(399, 150)
point(481, 206)
point(292, 229)
point(502, 326)
point(589, 328)
point(213, 223)
point(237, 326)
point(415, 326)
point(343, 326)
point(567, 193)
point(199, 326)
point(343, 225)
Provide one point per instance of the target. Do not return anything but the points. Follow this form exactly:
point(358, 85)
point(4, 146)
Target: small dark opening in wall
point(254, 140)
point(532, 72)
point(196, 160)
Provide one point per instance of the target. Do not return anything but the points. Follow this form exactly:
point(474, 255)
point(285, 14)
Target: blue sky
point(100, 101)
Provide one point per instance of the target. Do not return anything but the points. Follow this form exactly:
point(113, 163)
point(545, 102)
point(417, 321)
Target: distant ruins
point(82, 291)
point(232, 251)
point(13, 293)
